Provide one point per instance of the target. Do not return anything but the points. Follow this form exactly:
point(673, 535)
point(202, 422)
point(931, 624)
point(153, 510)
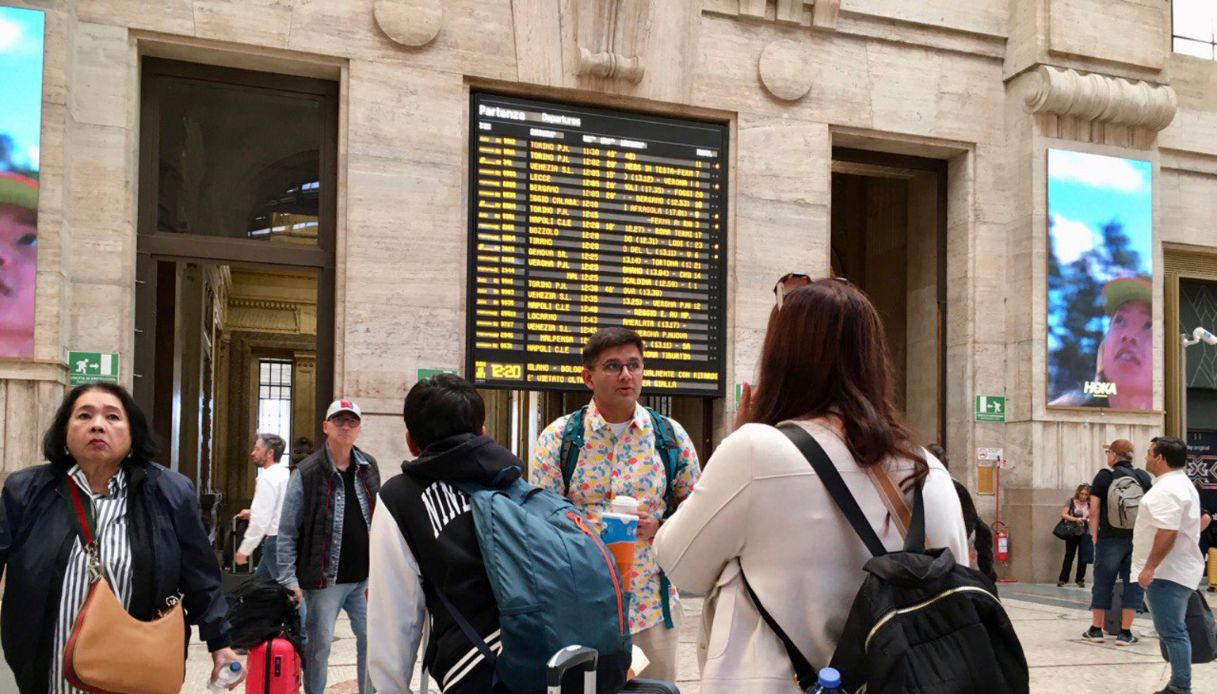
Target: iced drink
point(620, 530)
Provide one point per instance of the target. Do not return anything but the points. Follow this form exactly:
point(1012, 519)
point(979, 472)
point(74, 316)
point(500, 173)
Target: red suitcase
point(273, 667)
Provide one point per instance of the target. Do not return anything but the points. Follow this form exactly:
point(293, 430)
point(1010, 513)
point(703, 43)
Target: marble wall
point(987, 85)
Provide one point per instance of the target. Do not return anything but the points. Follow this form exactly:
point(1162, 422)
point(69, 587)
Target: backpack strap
point(668, 448)
point(572, 446)
point(470, 633)
point(839, 492)
point(804, 673)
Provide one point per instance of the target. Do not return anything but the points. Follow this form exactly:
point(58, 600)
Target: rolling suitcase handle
point(566, 659)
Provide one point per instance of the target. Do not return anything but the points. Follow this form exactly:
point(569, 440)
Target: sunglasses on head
point(793, 280)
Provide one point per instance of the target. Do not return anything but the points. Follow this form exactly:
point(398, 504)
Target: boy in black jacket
point(423, 539)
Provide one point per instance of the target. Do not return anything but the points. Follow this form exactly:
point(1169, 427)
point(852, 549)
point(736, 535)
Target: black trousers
point(1073, 547)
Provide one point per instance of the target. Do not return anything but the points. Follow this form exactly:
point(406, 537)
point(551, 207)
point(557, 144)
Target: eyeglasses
point(345, 422)
point(614, 367)
point(792, 281)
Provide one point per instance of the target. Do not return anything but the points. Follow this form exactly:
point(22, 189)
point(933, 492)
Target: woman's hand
point(221, 660)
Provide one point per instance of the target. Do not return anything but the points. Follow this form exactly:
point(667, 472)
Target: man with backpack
point(459, 535)
point(429, 531)
point(1115, 495)
point(1166, 555)
point(615, 447)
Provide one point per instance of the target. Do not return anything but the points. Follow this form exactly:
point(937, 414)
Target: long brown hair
point(825, 353)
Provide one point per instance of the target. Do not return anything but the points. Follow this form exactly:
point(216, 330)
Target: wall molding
point(611, 36)
point(1090, 97)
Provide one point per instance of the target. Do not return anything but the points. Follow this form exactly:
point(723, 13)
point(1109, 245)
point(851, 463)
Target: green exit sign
point(990, 408)
point(92, 367)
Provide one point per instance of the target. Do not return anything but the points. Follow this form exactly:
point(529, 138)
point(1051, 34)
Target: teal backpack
point(668, 449)
point(555, 584)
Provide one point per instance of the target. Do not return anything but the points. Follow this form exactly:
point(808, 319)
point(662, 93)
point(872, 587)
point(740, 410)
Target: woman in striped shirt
point(151, 542)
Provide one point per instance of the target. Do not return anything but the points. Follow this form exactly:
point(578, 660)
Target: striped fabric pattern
point(114, 548)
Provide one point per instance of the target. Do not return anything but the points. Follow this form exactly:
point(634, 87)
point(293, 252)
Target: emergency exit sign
point(92, 367)
point(990, 408)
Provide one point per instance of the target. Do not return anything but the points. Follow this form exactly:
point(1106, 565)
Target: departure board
point(584, 218)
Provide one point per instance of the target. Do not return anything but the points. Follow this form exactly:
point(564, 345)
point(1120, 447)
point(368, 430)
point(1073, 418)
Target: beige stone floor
point(1049, 622)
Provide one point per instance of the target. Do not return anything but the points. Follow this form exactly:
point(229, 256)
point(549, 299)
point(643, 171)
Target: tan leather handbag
point(111, 652)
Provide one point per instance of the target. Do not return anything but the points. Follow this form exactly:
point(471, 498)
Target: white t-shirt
point(1171, 504)
point(618, 428)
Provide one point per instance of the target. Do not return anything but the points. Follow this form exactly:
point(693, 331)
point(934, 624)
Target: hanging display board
point(585, 218)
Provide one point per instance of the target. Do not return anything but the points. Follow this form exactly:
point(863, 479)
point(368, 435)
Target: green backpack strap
point(572, 445)
point(668, 448)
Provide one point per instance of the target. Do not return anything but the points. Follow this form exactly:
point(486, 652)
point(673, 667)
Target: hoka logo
point(1099, 389)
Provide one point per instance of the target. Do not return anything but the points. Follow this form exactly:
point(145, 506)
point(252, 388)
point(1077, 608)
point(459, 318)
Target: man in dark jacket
point(323, 540)
point(426, 544)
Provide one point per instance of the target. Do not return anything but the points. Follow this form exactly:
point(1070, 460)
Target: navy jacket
point(170, 553)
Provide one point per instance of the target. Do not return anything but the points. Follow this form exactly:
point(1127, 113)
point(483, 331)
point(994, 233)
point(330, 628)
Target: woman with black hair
point(149, 537)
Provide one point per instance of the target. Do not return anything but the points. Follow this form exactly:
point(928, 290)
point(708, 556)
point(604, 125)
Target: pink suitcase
point(273, 667)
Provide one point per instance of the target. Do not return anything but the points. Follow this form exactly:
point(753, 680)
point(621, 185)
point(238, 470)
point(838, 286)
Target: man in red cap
point(323, 540)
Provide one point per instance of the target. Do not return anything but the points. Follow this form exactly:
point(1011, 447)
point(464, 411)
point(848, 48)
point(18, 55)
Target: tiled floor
point(1049, 621)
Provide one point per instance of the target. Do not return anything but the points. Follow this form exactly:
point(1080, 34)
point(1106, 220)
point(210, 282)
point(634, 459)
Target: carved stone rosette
point(1091, 97)
point(612, 36)
point(411, 23)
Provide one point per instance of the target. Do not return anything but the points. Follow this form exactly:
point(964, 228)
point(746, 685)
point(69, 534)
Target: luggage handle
point(580, 657)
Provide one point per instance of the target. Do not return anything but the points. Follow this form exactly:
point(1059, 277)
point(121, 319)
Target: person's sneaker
point(1168, 689)
point(1093, 634)
point(1081, 584)
point(1126, 638)
point(1060, 584)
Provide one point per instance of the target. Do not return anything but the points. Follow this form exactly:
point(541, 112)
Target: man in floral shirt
point(619, 457)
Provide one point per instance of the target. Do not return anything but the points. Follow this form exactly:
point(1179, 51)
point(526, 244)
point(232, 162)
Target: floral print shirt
point(626, 466)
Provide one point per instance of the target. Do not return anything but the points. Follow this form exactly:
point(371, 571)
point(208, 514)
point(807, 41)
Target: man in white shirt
point(263, 514)
point(1166, 555)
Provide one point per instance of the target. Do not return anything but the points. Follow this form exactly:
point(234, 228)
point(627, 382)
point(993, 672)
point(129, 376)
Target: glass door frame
point(154, 246)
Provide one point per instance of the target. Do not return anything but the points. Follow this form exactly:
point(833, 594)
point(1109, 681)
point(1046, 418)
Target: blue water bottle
point(829, 682)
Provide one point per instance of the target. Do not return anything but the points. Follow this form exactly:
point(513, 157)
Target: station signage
point(585, 218)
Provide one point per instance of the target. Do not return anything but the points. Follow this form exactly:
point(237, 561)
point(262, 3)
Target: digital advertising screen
point(21, 45)
point(584, 218)
point(1100, 282)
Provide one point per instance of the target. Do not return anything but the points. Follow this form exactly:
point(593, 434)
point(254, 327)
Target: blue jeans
point(1112, 559)
point(268, 566)
point(323, 606)
point(1168, 608)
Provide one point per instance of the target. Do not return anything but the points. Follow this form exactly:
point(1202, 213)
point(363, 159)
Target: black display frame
point(720, 315)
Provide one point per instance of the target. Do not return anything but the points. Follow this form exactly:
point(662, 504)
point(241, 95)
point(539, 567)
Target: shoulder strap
point(467, 629)
point(837, 489)
point(572, 445)
point(668, 449)
point(803, 670)
point(82, 513)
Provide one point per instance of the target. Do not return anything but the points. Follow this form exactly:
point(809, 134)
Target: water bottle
point(227, 676)
point(829, 682)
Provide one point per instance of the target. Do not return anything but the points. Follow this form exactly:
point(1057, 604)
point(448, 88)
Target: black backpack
point(260, 610)
point(920, 622)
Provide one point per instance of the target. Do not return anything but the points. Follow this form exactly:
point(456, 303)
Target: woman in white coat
point(760, 505)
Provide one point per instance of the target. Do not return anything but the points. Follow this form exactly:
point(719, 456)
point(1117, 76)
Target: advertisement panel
point(1100, 281)
point(21, 43)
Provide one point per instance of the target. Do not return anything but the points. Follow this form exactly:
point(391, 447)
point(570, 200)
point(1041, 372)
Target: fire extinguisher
point(1002, 541)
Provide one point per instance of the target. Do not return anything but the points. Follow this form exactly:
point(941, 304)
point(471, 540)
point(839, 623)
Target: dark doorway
point(235, 265)
point(889, 238)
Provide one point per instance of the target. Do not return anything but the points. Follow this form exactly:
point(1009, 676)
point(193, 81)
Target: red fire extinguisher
point(1002, 541)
